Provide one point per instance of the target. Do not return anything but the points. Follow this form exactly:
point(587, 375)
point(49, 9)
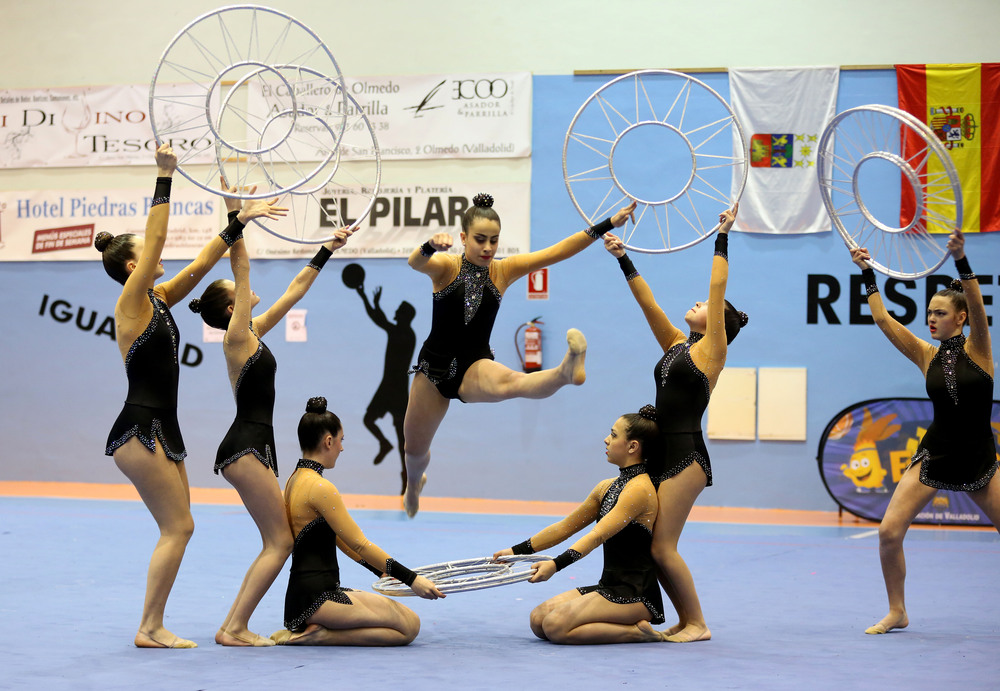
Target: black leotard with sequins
point(314, 577)
point(958, 451)
point(629, 573)
point(153, 370)
point(252, 431)
point(682, 392)
point(461, 324)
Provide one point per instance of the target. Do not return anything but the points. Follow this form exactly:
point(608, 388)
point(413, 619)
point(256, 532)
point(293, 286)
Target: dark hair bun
point(648, 412)
point(956, 285)
point(195, 305)
point(102, 240)
point(743, 319)
point(483, 200)
point(316, 404)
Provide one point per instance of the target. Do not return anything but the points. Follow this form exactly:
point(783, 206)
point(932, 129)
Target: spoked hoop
point(665, 140)
point(466, 574)
point(341, 190)
point(218, 58)
point(871, 156)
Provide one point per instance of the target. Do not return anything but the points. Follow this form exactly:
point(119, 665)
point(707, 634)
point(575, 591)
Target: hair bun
point(102, 240)
point(648, 412)
point(483, 200)
point(743, 319)
point(316, 404)
point(956, 285)
point(195, 305)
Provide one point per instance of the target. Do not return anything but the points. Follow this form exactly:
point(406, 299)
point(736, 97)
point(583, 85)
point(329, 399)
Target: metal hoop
point(634, 100)
point(238, 37)
point(861, 135)
point(354, 169)
point(466, 574)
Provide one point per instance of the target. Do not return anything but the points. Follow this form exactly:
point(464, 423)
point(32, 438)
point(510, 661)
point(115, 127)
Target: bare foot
point(281, 637)
point(690, 634)
point(889, 622)
point(162, 639)
point(676, 628)
point(575, 356)
point(310, 636)
point(411, 501)
point(647, 633)
point(242, 639)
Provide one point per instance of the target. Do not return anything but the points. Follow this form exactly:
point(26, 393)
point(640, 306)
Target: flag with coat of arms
point(783, 112)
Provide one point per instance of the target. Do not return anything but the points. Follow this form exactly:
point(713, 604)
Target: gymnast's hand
point(425, 589)
point(624, 213)
point(543, 571)
point(166, 160)
point(728, 217)
point(509, 552)
point(860, 256)
point(261, 208)
point(441, 242)
point(614, 245)
point(339, 239)
point(956, 244)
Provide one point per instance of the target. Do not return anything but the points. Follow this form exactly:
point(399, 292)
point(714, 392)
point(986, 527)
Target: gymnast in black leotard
point(685, 377)
point(958, 451)
point(246, 456)
point(146, 440)
point(456, 360)
point(318, 610)
point(626, 601)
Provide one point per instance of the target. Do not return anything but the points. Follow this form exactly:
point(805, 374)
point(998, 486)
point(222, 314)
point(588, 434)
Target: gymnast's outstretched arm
point(917, 350)
point(324, 498)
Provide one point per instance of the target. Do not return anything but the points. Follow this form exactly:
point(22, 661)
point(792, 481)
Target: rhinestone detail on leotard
point(685, 350)
point(475, 279)
point(615, 489)
point(310, 465)
point(160, 311)
point(948, 353)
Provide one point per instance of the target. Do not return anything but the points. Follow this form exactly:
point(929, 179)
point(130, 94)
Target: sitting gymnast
point(318, 611)
point(625, 603)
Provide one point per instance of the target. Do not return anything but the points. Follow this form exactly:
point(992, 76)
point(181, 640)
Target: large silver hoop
point(665, 140)
point(870, 157)
point(218, 56)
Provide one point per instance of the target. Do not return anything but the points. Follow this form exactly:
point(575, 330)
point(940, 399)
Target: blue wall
point(62, 386)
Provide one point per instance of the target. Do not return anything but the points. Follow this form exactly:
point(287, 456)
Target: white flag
point(783, 113)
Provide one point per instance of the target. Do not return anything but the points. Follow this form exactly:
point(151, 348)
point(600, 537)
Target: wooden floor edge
point(228, 496)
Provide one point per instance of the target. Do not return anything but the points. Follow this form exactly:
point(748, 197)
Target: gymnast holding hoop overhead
point(146, 440)
point(456, 360)
point(626, 601)
point(957, 452)
point(318, 611)
point(246, 456)
point(685, 377)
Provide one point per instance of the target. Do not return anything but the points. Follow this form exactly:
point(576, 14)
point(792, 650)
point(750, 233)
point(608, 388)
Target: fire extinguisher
point(531, 361)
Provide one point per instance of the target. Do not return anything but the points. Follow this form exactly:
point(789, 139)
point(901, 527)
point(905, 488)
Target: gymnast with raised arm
point(246, 456)
point(684, 378)
point(626, 601)
point(146, 439)
point(456, 360)
point(318, 611)
point(958, 451)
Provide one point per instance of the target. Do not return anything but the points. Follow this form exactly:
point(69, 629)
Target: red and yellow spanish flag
point(961, 103)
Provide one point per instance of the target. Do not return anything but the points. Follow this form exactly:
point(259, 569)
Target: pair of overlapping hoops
point(268, 95)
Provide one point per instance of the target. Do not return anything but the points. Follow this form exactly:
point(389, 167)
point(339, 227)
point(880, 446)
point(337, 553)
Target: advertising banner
point(865, 449)
point(53, 225)
point(69, 127)
point(478, 115)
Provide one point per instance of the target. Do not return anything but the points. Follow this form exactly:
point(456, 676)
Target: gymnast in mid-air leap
point(456, 360)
